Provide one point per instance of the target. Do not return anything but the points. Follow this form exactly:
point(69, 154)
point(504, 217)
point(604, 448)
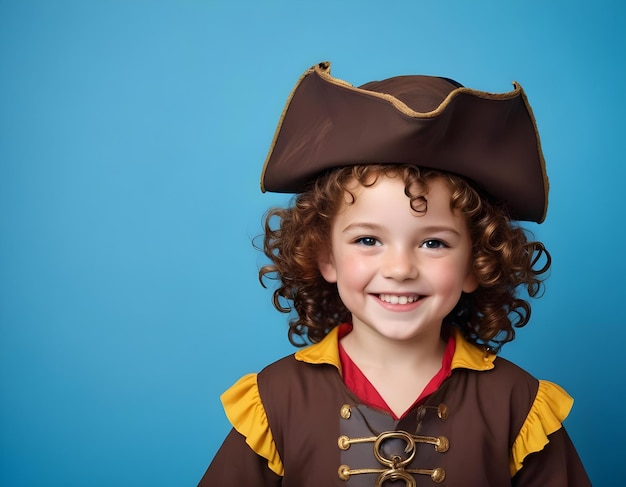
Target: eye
point(434, 244)
point(367, 241)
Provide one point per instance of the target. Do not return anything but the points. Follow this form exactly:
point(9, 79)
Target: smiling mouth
point(398, 299)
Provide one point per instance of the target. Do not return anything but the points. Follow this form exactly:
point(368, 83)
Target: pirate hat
point(490, 139)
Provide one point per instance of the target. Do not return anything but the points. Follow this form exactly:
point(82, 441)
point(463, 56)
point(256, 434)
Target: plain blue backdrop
point(132, 136)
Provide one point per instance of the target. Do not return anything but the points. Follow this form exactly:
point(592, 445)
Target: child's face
point(398, 272)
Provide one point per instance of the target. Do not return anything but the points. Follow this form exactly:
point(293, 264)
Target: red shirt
point(359, 385)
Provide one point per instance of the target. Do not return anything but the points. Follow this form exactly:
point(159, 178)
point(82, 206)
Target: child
point(401, 262)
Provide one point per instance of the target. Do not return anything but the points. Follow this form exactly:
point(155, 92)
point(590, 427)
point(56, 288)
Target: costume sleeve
point(248, 456)
point(245, 411)
point(236, 465)
point(543, 453)
point(557, 465)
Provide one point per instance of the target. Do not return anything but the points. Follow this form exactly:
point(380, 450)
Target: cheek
point(451, 278)
point(352, 271)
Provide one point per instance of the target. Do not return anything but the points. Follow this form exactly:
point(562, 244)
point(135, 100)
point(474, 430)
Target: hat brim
point(490, 139)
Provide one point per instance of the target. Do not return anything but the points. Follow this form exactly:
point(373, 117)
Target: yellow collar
point(466, 355)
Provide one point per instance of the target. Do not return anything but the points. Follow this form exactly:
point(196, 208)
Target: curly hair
point(504, 259)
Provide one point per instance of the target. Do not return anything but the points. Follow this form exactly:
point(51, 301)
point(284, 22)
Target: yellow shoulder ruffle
point(550, 407)
point(245, 411)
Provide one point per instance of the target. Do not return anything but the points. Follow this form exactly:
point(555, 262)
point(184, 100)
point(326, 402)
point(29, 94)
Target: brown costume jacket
point(489, 424)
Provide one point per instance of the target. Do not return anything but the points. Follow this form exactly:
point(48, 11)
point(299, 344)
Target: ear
point(326, 265)
point(471, 282)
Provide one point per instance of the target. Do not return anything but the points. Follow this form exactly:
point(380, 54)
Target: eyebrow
point(360, 226)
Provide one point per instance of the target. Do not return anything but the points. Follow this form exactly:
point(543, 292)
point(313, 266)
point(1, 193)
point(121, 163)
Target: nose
point(399, 264)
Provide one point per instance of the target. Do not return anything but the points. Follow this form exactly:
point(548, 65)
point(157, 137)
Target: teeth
point(395, 299)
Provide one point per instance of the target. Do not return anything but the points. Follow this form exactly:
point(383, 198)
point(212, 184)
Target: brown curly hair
point(504, 259)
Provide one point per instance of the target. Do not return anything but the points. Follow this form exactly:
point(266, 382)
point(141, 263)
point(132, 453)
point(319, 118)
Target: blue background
point(132, 135)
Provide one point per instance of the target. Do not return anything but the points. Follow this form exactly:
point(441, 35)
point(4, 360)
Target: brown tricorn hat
point(490, 139)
